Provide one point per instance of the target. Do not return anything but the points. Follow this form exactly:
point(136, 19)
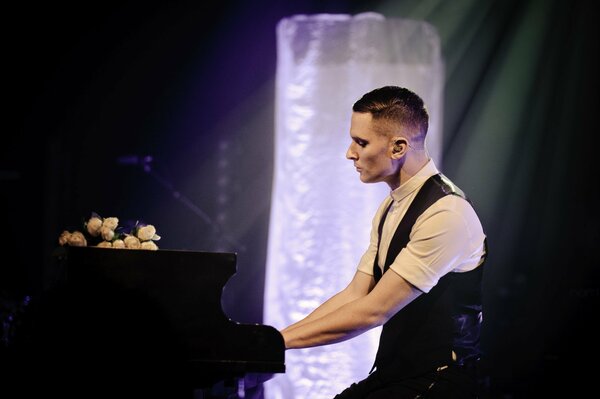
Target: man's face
point(371, 151)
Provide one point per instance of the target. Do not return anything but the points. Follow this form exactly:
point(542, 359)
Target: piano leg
point(231, 389)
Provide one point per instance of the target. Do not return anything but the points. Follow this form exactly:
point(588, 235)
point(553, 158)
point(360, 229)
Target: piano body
point(147, 323)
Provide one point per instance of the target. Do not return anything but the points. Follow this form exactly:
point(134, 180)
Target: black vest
point(423, 335)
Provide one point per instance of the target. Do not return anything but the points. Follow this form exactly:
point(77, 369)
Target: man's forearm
point(333, 303)
point(356, 316)
point(345, 322)
point(360, 286)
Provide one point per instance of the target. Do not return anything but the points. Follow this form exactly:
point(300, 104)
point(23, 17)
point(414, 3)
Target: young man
point(421, 275)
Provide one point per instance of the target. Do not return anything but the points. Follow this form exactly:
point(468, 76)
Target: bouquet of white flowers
point(106, 233)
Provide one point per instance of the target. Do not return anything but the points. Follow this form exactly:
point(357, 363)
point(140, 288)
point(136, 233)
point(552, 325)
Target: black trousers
point(451, 382)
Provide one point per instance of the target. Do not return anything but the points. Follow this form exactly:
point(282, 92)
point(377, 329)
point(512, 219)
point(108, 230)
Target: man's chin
point(371, 179)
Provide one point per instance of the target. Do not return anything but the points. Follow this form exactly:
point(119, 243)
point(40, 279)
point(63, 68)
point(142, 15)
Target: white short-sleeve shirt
point(446, 237)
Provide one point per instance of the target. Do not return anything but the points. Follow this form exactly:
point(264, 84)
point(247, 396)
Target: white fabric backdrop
point(321, 213)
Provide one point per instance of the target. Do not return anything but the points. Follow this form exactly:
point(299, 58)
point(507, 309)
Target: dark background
point(88, 87)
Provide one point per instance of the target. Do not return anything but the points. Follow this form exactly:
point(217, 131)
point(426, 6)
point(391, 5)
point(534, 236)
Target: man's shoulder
point(447, 186)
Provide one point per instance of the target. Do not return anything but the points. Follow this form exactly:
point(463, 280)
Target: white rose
point(118, 244)
point(64, 238)
point(146, 233)
point(105, 244)
point(132, 242)
point(149, 245)
point(93, 226)
point(107, 233)
point(111, 223)
point(76, 239)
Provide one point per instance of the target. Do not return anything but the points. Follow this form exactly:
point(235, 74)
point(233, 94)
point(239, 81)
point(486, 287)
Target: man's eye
point(361, 143)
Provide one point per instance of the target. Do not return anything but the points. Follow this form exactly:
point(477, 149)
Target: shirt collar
point(415, 181)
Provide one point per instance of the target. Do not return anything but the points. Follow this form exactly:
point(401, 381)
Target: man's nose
point(351, 154)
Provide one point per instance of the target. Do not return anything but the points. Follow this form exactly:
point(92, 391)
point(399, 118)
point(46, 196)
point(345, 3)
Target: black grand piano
point(135, 323)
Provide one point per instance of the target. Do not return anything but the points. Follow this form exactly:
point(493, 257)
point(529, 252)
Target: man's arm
point(360, 286)
point(391, 294)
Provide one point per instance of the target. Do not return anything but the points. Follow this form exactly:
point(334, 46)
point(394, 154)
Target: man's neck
point(412, 165)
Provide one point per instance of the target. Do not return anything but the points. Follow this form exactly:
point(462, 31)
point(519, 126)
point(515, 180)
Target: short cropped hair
point(397, 105)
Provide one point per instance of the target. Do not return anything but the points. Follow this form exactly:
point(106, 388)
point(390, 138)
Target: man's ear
point(399, 146)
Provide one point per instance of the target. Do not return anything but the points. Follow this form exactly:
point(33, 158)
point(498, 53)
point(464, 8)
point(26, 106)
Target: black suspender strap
point(376, 269)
